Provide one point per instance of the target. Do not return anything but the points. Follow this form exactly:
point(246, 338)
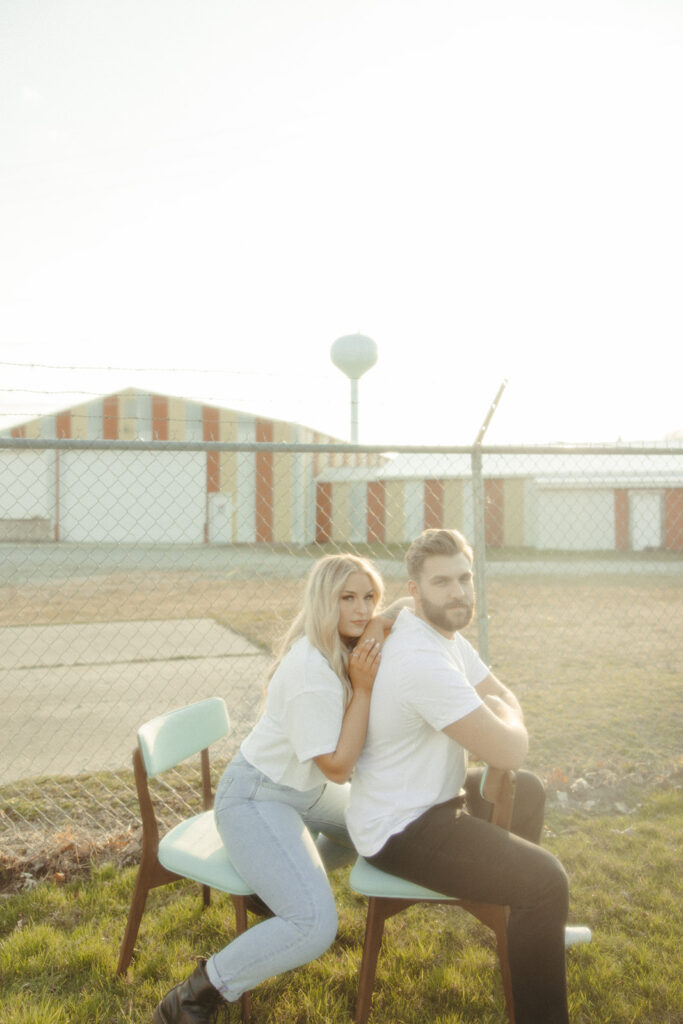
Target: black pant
point(455, 850)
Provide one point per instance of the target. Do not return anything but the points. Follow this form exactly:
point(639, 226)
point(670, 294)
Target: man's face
point(444, 593)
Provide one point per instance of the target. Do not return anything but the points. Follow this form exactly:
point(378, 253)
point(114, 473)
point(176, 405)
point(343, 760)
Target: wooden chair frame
point(152, 873)
point(499, 789)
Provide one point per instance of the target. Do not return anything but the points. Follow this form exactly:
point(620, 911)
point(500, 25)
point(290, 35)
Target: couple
point(433, 700)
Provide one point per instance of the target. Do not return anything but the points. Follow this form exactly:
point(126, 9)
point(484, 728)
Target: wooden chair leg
point(374, 929)
point(240, 905)
point(245, 1004)
point(150, 875)
point(137, 909)
point(500, 931)
point(496, 918)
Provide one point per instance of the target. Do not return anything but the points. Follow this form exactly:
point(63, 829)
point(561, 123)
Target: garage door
point(571, 520)
point(132, 497)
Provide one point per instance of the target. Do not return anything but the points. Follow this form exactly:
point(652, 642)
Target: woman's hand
point(363, 664)
point(376, 629)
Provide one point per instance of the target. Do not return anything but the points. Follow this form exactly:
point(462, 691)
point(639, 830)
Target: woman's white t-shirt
point(302, 719)
point(425, 682)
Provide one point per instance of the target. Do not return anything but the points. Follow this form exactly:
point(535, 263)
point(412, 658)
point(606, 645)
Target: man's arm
point(492, 687)
point(493, 733)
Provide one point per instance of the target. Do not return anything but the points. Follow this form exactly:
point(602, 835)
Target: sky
point(198, 199)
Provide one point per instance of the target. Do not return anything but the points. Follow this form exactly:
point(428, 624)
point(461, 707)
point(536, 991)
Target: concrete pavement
point(73, 696)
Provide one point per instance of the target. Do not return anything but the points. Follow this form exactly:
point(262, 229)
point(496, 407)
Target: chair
point(389, 895)
point(192, 849)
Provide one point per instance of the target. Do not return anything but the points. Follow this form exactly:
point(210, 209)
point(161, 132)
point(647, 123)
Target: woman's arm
point(363, 665)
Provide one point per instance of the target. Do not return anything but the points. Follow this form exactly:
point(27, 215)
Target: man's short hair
point(434, 542)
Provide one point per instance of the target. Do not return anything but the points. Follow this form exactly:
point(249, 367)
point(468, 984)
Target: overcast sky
point(198, 198)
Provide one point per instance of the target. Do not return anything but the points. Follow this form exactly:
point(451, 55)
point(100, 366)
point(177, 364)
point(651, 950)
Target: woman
point(292, 772)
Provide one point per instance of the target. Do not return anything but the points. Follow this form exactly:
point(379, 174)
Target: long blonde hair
point(318, 618)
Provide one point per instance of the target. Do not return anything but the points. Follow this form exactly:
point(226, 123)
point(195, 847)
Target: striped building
point(623, 501)
point(146, 495)
point(567, 502)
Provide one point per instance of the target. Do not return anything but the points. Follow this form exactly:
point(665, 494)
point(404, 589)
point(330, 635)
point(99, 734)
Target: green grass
point(595, 661)
point(59, 943)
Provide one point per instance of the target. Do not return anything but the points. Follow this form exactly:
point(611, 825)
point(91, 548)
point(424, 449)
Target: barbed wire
point(140, 369)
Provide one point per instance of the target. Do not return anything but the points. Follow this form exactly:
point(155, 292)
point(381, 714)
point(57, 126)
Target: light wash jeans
point(264, 827)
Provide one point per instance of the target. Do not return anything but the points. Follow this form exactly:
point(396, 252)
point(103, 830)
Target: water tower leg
point(354, 411)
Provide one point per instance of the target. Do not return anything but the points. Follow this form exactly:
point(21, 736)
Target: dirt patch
point(73, 852)
point(64, 856)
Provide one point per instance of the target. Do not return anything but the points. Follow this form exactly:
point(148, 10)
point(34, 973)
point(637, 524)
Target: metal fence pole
point(480, 554)
point(144, 602)
point(480, 530)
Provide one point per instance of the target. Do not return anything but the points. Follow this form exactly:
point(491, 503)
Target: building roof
point(661, 465)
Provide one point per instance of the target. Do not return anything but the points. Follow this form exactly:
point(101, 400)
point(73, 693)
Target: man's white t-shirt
point(302, 719)
point(425, 681)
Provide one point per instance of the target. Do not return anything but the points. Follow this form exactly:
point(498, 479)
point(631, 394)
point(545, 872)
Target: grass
point(60, 942)
point(595, 660)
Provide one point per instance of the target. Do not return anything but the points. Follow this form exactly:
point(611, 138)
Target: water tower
point(353, 354)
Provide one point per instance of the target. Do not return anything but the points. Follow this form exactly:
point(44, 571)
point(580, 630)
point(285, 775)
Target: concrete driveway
point(73, 696)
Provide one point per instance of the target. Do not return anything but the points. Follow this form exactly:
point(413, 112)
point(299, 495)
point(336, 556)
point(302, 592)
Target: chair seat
point(195, 850)
point(371, 881)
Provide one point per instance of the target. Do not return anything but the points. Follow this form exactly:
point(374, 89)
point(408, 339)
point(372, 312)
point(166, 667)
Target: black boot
point(193, 1001)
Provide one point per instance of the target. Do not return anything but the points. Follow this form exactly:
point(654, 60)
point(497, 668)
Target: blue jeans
point(265, 829)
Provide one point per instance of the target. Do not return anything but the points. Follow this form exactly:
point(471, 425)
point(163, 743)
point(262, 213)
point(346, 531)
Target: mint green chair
point(389, 895)
point(192, 849)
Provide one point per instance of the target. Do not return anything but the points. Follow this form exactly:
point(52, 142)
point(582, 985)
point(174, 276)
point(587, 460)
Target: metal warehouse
point(619, 500)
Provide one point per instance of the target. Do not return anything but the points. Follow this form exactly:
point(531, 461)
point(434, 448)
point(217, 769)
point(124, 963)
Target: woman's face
point(356, 605)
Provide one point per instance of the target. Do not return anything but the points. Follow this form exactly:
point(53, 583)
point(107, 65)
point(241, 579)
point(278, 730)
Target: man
point(415, 810)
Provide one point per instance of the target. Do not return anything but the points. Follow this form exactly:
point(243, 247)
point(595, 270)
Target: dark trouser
point(455, 850)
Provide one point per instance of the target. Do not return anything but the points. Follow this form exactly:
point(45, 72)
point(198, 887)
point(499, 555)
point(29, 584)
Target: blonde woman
point(291, 774)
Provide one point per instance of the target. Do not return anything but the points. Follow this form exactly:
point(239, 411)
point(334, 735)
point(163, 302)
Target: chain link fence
point(136, 577)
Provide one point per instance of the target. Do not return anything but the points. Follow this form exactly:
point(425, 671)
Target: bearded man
point(415, 809)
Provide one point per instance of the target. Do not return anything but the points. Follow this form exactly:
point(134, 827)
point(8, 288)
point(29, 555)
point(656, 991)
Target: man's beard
point(451, 618)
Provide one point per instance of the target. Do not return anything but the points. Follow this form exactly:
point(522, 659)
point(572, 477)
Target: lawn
point(60, 942)
point(595, 661)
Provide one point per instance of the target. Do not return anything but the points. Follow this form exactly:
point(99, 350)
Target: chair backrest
point(498, 787)
point(167, 740)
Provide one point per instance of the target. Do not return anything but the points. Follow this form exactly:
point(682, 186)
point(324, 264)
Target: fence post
point(480, 554)
point(56, 536)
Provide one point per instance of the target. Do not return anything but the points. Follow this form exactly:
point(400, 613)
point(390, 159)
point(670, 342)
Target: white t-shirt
point(302, 718)
point(425, 681)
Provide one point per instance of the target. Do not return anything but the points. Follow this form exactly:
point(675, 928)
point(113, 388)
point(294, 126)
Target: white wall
point(26, 484)
point(358, 511)
point(132, 497)
point(575, 520)
point(413, 509)
point(246, 483)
